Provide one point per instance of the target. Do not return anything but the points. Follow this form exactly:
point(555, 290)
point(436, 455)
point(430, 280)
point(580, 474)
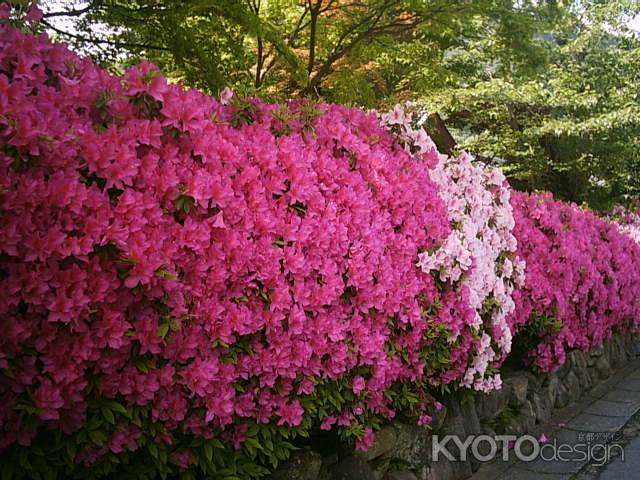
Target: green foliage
point(55, 454)
point(570, 127)
point(502, 421)
point(535, 330)
point(351, 52)
point(264, 447)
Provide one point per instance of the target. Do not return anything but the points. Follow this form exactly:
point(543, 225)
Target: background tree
point(354, 51)
point(572, 126)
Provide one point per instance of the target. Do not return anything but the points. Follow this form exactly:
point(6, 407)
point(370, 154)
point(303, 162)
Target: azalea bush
point(188, 284)
point(582, 281)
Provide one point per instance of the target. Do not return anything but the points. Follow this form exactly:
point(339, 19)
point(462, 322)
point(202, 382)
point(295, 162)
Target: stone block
point(578, 361)
point(617, 357)
point(441, 470)
point(353, 467)
point(303, 465)
point(457, 424)
point(603, 367)
point(400, 475)
point(519, 386)
point(438, 417)
point(523, 422)
point(536, 381)
point(629, 346)
point(572, 384)
point(596, 352)
point(541, 407)
point(470, 420)
point(412, 445)
point(490, 404)
point(380, 466)
point(563, 397)
point(550, 389)
point(636, 342)
point(471, 425)
point(384, 442)
point(564, 369)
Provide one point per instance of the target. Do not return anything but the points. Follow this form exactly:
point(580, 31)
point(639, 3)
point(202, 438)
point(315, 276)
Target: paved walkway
point(629, 468)
point(609, 415)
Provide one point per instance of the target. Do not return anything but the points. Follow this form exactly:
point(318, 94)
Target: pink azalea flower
point(425, 419)
point(225, 95)
point(290, 414)
point(358, 385)
point(48, 398)
point(33, 16)
point(363, 444)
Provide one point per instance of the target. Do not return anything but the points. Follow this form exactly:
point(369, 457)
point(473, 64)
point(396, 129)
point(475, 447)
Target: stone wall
point(403, 451)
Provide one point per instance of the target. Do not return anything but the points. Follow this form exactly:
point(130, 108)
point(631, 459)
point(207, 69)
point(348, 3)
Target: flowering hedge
point(582, 278)
point(188, 284)
point(191, 284)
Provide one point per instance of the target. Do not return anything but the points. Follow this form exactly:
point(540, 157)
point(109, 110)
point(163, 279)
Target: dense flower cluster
point(628, 222)
point(479, 253)
point(581, 278)
point(477, 256)
point(173, 266)
point(187, 282)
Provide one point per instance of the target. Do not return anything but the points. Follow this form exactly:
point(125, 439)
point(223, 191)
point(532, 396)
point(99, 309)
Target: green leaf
point(117, 407)
point(71, 450)
point(208, 451)
point(153, 449)
point(254, 443)
point(162, 455)
point(108, 414)
point(163, 329)
point(268, 443)
point(217, 443)
point(188, 475)
point(98, 437)
point(7, 470)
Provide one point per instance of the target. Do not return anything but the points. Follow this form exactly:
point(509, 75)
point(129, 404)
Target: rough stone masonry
point(526, 403)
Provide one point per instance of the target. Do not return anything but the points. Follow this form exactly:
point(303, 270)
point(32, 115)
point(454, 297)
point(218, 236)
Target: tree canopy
point(571, 127)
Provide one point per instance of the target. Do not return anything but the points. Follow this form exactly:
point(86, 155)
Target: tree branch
point(97, 41)
point(339, 51)
point(314, 10)
point(69, 13)
point(290, 41)
point(371, 29)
